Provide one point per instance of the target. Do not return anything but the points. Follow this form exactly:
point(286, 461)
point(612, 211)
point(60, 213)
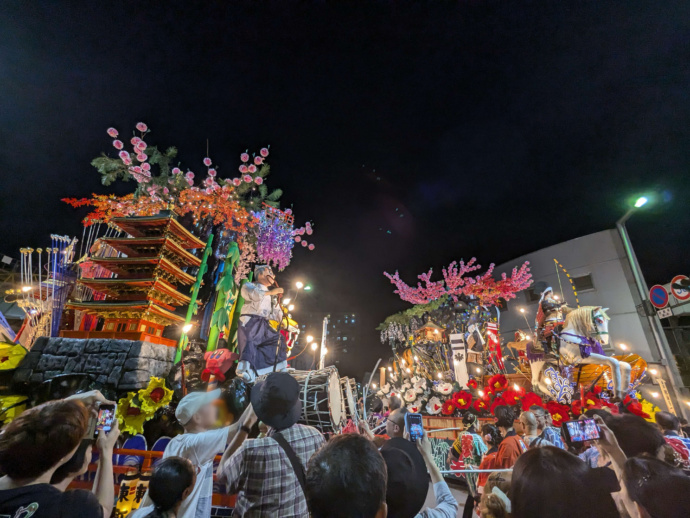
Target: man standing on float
point(261, 346)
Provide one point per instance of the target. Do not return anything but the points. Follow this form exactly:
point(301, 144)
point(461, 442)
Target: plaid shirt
point(263, 477)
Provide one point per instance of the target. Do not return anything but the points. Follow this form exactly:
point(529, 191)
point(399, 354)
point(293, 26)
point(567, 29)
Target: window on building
point(583, 282)
point(121, 327)
point(344, 338)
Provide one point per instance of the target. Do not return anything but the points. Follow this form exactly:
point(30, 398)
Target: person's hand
point(276, 291)
point(263, 428)
point(607, 440)
point(106, 441)
point(92, 399)
point(424, 445)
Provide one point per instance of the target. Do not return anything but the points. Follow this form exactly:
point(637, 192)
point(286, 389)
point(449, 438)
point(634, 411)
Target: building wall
point(602, 256)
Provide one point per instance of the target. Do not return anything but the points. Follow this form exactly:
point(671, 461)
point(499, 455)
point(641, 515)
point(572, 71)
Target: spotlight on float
point(310, 339)
point(291, 307)
point(314, 345)
point(187, 328)
point(286, 302)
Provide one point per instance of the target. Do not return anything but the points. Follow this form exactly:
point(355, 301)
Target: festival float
point(448, 359)
point(147, 304)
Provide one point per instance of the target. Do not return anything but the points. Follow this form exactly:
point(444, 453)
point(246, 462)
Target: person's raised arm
point(103, 485)
point(243, 426)
point(424, 447)
point(446, 504)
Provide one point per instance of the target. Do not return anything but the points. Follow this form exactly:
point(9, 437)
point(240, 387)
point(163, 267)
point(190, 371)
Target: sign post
point(658, 296)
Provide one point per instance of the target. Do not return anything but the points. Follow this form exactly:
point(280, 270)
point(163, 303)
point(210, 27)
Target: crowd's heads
point(171, 482)
point(276, 400)
point(394, 402)
point(635, 436)
point(505, 416)
point(346, 478)
point(528, 422)
point(552, 482)
point(377, 406)
point(659, 489)
point(408, 482)
point(42, 438)
point(469, 420)
point(667, 421)
point(77, 465)
point(495, 502)
point(395, 424)
point(491, 435)
point(197, 409)
point(542, 416)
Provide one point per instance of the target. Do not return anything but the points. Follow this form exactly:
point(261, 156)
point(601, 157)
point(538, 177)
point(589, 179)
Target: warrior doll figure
point(549, 315)
point(262, 348)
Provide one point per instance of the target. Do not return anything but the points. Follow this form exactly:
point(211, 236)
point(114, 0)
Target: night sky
point(410, 133)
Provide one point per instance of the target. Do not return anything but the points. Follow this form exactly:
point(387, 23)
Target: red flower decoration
point(498, 382)
point(448, 407)
point(634, 407)
point(462, 399)
point(531, 399)
point(499, 401)
point(472, 383)
point(559, 412)
point(512, 396)
point(610, 406)
point(480, 405)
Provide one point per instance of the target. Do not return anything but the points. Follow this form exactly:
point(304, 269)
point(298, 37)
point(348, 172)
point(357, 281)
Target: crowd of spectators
point(634, 470)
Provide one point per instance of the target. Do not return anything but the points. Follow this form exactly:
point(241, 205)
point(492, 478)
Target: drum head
point(335, 399)
point(351, 403)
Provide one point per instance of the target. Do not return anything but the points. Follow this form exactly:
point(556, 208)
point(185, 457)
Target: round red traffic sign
point(680, 293)
point(658, 296)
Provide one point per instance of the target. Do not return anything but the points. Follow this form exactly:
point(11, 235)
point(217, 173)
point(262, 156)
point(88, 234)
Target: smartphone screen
point(414, 425)
point(580, 431)
point(105, 419)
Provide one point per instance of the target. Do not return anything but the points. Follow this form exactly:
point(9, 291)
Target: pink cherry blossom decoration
point(166, 190)
point(252, 168)
point(304, 243)
point(311, 246)
point(141, 145)
point(117, 144)
point(207, 161)
point(212, 172)
point(135, 140)
point(247, 178)
point(146, 167)
point(189, 175)
point(123, 155)
point(258, 160)
point(297, 239)
point(142, 157)
point(141, 126)
point(176, 170)
point(236, 182)
point(264, 152)
point(258, 180)
point(243, 168)
point(113, 132)
point(190, 181)
point(244, 157)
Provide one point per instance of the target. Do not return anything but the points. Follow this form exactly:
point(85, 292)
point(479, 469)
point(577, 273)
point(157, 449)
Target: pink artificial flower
point(208, 190)
point(112, 132)
point(135, 140)
point(166, 190)
point(141, 145)
point(225, 195)
point(189, 175)
point(123, 155)
point(301, 231)
point(258, 180)
point(311, 246)
point(117, 144)
point(236, 182)
point(137, 169)
point(243, 169)
point(258, 160)
point(141, 126)
point(297, 239)
point(304, 243)
point(207, 161)
point(309, 231)
point(244, 157)
point(142, 157)
point(251, 168)
point(264, 152)
point(212, 172)
point(288, 211)
point(127, 161)
point(216, 187)
point(176, 170)
point(190, 181)
point(247, 178)
point(146, 167)
point(208, 181)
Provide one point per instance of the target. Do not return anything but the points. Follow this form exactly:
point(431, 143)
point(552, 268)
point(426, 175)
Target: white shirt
point(142, 512)
point(446, 505)
point(258, 302)
point(200, 449)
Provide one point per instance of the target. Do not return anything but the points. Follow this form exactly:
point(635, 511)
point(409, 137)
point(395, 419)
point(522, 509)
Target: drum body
point(321, 397)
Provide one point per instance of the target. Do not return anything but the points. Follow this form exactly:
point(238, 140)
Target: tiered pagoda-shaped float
point(136, 281)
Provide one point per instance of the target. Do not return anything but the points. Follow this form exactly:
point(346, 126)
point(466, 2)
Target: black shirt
point(45, 501)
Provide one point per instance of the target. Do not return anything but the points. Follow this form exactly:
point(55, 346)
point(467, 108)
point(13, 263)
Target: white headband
point(502, 497)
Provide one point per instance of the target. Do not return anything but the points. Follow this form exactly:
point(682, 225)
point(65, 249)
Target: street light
point(314, 346)
point(310, 339)
point(307, 288)
point(665, 353)
point(291, 307)
point(286, 301)
point(299, 285)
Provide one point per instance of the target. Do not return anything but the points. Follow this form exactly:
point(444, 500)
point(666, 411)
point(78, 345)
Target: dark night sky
point(496, 127)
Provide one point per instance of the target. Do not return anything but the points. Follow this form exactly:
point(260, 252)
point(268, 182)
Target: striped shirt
point(261, 473)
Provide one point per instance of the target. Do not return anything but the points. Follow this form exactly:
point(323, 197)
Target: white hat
point(192, 403)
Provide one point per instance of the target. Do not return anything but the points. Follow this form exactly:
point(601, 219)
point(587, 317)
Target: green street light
point(641, 201)
point(307, 288)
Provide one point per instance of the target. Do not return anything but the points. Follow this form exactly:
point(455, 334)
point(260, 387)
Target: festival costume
point(511, 447)
point(548, 319)
point(258, 342)
point(488, 462)
point(471, 449)
point(681, 448)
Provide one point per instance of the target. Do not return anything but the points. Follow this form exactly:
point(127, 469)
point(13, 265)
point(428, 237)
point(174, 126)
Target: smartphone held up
point(414, 426)
point(106, 419)
point(581, 430)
